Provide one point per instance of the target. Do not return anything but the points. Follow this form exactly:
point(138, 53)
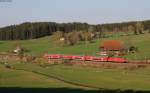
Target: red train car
point(67, 57)
point(82, 58)
point(97, 59)
point(54, 56)
point(118, 60)
point(86, 58)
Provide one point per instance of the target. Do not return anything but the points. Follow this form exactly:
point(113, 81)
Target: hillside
point(34, 77)
point(20, 78)
point(122, 79)
point(38, 47)
point(33, 30)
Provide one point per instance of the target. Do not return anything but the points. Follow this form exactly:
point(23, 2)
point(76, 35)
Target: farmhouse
point(114, 46)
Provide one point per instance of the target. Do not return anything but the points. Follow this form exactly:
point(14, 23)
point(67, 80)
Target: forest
point(33, 30)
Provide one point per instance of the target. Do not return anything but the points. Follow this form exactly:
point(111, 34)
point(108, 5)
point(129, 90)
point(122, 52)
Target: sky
point(90, 11)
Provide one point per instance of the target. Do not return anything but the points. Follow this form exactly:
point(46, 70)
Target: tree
point(103, 31)
point(87, 36)
point(131, 29)
point(56, 38)
point(35, 30)
point(72, 38)
point(139, 27)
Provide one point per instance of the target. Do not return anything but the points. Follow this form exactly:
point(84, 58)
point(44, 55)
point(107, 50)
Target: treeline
point(40, 29)
point(37, 30)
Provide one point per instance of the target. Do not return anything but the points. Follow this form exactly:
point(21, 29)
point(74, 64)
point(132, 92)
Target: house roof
point(112, 45)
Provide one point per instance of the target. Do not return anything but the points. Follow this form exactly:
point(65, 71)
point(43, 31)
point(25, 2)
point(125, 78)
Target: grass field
point(34, 76)
point(24, 79)
point(101, 78)
point(39, 46)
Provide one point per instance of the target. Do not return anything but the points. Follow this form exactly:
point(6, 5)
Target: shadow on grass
point(61, 90)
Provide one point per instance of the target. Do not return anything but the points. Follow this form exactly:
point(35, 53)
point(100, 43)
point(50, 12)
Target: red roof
point(112, 45)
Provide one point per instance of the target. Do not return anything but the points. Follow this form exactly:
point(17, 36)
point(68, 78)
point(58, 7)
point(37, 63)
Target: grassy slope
point(14, 78)
point(39, 46)
point(103, 78)
point(143, 43)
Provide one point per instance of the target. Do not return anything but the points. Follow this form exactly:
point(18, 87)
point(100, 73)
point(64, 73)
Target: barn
point(115, 46)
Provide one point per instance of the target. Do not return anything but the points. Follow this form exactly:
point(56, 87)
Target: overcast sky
point(90, 11)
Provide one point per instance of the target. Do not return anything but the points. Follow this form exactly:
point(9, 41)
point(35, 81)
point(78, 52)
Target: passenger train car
point(85, 58)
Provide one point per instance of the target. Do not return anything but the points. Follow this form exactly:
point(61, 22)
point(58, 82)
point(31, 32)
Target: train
point(85, 58)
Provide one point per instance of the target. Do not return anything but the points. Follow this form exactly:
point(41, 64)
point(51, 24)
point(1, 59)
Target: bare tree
point(139, 27)
point(72, 38)
point(56, 38)
point(131, 29)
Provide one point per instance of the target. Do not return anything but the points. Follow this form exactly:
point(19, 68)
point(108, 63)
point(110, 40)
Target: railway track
point(144, 63)
point(92, 59)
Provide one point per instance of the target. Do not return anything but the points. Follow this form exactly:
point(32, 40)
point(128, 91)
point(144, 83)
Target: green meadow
point(38, 47)
point(26, 75)
point(137, 79)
